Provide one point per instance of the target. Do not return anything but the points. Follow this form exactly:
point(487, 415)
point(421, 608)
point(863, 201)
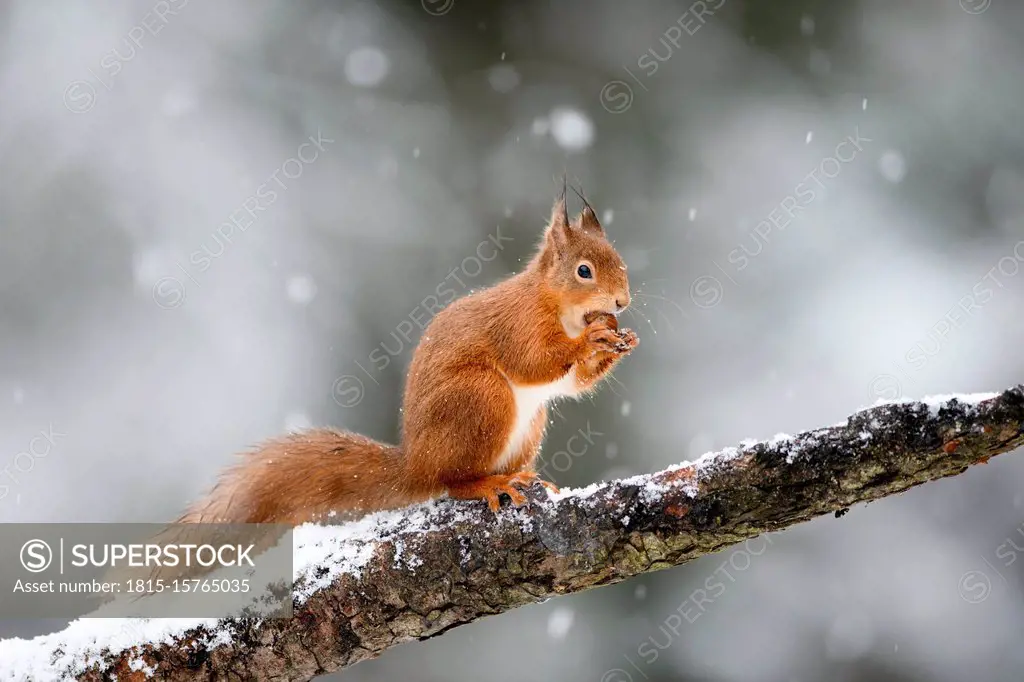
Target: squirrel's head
point(579, 263)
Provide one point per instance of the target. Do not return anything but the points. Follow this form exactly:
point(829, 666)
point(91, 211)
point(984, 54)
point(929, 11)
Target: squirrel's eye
point(584, 271)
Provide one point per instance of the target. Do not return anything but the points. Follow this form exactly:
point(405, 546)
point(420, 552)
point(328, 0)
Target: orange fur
point(459, 404)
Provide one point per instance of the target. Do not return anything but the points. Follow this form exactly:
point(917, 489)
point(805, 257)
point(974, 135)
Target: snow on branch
point(364, 587)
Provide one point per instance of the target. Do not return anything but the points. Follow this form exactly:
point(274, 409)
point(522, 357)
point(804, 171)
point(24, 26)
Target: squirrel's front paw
point(603, 335)
point(629, 340)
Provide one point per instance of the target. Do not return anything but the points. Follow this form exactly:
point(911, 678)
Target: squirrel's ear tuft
point(557, 233)
point(587, 219)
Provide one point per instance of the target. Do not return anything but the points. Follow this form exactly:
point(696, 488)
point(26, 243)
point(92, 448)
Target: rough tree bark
point(475, 564)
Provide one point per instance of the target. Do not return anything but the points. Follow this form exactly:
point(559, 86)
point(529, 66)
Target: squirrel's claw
point(528, 478)
point(518, 498)
point(549, 485)
point(523, 478)
point(493, 501)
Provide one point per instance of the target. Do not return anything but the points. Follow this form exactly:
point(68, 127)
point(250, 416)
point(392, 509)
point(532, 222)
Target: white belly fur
point(529, 399)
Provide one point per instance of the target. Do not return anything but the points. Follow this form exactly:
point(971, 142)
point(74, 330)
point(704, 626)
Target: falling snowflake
point(503, 78)
point(571, 128)
point(560, 622)
point(366, 67)
point(807, 25)
point(301, 289)
point(893, 166)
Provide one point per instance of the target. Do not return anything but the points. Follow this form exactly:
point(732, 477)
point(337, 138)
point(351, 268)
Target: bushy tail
point(313, 475)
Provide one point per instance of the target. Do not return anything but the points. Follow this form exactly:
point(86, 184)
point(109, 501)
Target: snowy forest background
point(785, 278)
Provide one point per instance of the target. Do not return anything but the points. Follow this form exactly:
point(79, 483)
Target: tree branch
point(415, 574)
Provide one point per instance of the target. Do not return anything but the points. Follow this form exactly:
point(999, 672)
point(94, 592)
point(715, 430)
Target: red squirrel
point(474, 407)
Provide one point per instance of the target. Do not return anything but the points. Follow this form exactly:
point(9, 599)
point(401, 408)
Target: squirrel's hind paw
point(528, 478)
point(490, 489)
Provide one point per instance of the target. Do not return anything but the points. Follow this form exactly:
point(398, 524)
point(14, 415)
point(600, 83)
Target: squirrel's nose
point(621, 304)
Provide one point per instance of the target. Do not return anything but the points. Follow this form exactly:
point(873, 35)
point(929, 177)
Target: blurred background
point(218, 221)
